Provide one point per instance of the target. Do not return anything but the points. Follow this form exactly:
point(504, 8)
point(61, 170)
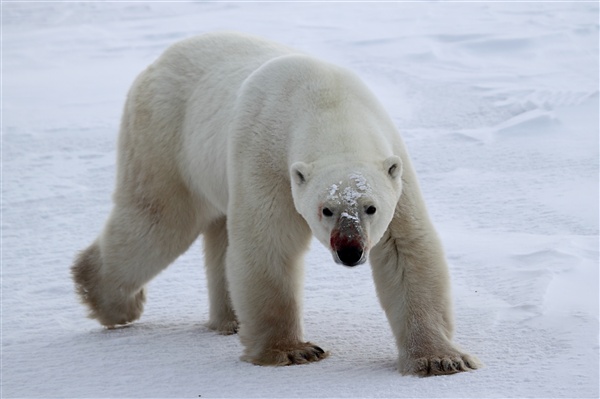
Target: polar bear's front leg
point(265, 274)
point(412, 282)
point(222, 316)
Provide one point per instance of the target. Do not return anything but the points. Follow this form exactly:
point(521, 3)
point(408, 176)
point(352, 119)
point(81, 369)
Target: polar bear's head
point(348, 207)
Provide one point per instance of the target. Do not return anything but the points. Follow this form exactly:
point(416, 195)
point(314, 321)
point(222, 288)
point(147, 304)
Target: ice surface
point(498, 104)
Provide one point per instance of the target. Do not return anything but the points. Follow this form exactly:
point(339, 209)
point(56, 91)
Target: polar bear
point(258, 147)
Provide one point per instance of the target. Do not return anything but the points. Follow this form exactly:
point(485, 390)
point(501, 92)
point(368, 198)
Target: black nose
point(350, 256)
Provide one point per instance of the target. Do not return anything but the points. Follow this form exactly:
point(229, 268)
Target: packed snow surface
point(498, 105)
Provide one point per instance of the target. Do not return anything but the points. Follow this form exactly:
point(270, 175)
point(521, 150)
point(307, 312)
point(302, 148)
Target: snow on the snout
point(333, 190)
point(360, 182)
point(360, 188)
point(351, 216)
point(357, 187)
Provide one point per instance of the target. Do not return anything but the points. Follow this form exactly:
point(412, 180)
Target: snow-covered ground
point(498, 104)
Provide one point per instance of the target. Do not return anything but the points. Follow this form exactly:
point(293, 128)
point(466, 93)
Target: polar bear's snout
point(350, 256)
point(348, 243)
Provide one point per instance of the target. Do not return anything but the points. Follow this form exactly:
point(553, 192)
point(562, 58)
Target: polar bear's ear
point(300, 172)
point(393, 166)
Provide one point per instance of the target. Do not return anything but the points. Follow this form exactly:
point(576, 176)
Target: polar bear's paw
point(304, 352)
point(227, 327)
point(450, 363)
point(106, 300)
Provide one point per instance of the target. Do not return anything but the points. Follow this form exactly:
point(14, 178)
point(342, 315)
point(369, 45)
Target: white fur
point(257, 146)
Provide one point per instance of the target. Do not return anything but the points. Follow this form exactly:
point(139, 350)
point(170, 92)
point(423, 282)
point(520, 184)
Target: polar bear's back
point(226, 54)
point(191, 91)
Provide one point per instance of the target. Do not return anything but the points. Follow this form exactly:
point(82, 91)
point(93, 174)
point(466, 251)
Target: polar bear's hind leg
point(138, 242)
point(87, 275)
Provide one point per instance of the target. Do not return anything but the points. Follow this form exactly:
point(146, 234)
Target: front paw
point(303, 352)
point(225, 327)
point(444, 362)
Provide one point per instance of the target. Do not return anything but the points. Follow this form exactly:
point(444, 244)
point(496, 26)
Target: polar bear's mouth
point(347, 243)
point(350, 255)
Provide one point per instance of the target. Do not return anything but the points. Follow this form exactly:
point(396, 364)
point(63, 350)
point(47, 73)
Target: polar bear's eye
point(371, 210)
point(327, 212)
